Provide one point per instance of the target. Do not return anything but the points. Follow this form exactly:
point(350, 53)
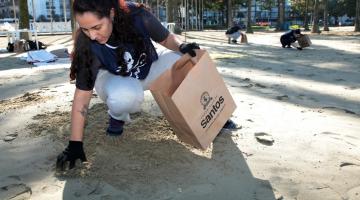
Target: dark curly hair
point(123, 31)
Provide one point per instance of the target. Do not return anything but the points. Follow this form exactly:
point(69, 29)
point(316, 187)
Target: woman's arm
point(161, 35)
point(171, 42)
point(78, 113)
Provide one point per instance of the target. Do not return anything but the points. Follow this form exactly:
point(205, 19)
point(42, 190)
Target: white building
point(50, 9)
point(44, 9)
point(40, 8)
point(7, 8)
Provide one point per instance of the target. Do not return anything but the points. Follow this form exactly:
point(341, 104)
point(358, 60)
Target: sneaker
point(299, 48)
point(230, 124)
point(234, 41)
point(115, 127)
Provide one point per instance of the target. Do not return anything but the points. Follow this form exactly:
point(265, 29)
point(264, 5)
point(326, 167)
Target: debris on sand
point(264, 138)
point(15, 191)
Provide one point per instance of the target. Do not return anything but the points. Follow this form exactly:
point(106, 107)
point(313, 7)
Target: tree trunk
point(306, 20)
point(281, 14)
point(315, 23)
point(248, 26)
point(171, 10)
point(73, 22)
point(24, 19)
point(357, 18)
point(326, 17)
point(228, 13)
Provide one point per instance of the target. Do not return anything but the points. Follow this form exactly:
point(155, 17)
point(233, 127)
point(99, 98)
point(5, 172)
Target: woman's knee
point(166, 59)
point(125, 97)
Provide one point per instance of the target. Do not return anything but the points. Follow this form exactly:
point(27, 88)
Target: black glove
point(189, 48)
point(72, 152)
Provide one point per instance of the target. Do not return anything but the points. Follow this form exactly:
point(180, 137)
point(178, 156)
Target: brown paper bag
point(19, 46)
point(194, 99)
point(304, 41)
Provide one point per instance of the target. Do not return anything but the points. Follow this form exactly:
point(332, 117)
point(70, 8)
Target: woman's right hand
point(69, 156)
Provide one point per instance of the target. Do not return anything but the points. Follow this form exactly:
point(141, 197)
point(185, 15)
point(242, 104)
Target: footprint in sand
point(50, 189)
point(344, 164)
point(248, 86)
point(15, 177)
point(310, 75)
point(115, 197)
point(314, 99)
point(260, 85)
point(352, 88)
point(353, 193)
point(329, 133)
point(339, 79)
point(10, 137)
point(282, 98)
point(15, 191)
point(339, 109)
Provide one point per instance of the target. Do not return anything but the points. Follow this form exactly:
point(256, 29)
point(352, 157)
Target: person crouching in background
point(234, 33)
point(289, 38)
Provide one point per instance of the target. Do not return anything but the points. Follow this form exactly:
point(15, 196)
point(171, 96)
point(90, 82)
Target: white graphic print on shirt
point(130, 63)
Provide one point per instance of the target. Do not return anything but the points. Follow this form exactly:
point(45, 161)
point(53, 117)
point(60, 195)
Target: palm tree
point(24, 19)
point(357, 18)
point(281, 14)
point(228, 12)
point(248, 26)
point(315, 24)
point(326, 13)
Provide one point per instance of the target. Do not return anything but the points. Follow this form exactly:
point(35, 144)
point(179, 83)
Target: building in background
point(45, 10)
point(7, 9)
point(50, 10)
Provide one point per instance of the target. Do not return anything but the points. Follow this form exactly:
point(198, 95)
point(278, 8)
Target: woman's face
point(95, 28)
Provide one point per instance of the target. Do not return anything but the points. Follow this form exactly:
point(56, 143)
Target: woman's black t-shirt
point(138, 67)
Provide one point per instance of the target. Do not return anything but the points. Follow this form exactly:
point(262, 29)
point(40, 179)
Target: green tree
point(216, 6)
point(336, 9)
point(350, 7)
point(300, 8)
point(268, 5)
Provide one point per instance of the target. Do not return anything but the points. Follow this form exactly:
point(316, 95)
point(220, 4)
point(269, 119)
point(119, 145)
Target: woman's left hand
point(189, 48)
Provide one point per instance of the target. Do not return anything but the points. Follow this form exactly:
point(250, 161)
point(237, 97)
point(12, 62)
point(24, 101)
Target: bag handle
point(181, 68)
point(186, 58)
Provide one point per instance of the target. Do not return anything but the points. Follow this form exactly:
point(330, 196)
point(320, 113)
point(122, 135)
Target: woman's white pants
point(124, 95)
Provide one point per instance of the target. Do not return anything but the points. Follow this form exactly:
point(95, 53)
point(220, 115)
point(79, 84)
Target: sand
point(304, 103)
